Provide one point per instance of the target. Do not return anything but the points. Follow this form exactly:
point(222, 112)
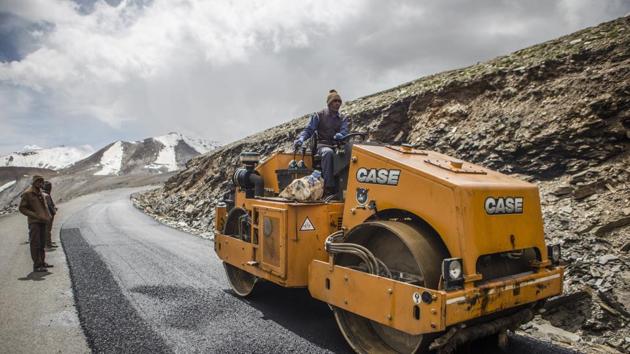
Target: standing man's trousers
point(328, 171)
point(49, 231)
point(37, 233)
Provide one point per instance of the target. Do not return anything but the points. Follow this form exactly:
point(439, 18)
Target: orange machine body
point(475, 211)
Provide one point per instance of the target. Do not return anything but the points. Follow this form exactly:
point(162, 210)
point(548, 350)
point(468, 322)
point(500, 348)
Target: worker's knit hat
point(37, 177)
point(332, 95)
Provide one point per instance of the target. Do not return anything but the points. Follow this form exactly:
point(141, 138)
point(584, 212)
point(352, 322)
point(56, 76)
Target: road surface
point(140, 286)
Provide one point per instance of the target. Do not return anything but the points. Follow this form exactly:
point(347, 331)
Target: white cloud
point(224, 69)
point(87, 61)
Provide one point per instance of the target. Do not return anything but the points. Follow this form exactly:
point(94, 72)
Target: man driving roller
point(331, 127)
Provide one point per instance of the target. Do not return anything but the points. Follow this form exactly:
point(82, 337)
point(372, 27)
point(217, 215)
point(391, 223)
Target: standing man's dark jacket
point(52, 209)
point(34, 206)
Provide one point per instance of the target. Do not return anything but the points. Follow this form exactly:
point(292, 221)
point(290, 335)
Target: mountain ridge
point(164, 153)
point(118, 164)
point(54, 158)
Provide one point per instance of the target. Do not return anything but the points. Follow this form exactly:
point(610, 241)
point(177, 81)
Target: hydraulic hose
point(374, 265)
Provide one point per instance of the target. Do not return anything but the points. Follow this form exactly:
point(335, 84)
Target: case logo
point(378, 176)
point(504, 205)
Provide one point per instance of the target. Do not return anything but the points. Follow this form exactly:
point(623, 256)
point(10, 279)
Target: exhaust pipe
point(248, 178)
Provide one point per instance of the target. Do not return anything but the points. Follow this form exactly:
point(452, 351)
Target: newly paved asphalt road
point(140, 286)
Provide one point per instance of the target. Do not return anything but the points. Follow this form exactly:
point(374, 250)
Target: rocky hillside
point(556, 114)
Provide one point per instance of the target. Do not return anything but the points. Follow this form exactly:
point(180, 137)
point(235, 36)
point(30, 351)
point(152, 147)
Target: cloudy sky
point(91, 72)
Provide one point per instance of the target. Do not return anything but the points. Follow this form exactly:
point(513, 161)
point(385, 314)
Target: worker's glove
point(297, 143)
point(338, 136)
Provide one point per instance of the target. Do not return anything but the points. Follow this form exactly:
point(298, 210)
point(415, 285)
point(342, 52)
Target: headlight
point(452, 273)
point(553, 252)
point(454, 270)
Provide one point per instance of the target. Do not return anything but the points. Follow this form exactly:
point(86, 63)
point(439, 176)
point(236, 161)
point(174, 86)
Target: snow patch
point(166, 156)
point(202, 146)
point(6, 186)
point(111, 160)
point(32, 148)
point(53, 158)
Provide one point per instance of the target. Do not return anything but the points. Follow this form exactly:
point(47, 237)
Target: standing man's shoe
point(46, 265)
point(39, 269)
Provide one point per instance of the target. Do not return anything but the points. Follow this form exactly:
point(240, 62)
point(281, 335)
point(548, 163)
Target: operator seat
point(316, 157)
point(341, 164)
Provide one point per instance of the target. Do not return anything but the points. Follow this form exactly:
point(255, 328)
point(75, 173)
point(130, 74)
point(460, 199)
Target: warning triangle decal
point(307, 225)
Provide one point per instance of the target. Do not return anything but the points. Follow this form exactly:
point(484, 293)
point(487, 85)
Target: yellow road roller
point(418, 251)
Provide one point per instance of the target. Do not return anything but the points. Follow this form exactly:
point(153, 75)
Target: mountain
point(166, 153)
point(54, 158)
point(117, 165)
point(556, 114)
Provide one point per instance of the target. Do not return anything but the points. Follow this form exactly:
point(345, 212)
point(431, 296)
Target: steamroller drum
point(413, 254)
point(240, 281)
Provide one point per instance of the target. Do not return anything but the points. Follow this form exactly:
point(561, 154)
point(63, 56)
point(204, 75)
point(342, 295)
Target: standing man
point(330, 127)
point(52, 209)
point(33, 205)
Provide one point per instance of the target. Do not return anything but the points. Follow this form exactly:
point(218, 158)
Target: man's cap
point(332, 95)
point(37, 177)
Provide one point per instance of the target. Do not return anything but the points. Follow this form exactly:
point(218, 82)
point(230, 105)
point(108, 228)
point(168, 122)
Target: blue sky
point(92, 72)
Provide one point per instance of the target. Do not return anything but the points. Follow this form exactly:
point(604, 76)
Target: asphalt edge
point(103, 330)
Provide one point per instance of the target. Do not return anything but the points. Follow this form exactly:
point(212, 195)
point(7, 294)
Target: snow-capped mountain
point(119, 164)
point(159, 154)
point(174, 144)
point(51, 158)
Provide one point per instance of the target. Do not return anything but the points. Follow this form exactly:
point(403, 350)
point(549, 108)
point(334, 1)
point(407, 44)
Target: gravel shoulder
point(37, 312)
